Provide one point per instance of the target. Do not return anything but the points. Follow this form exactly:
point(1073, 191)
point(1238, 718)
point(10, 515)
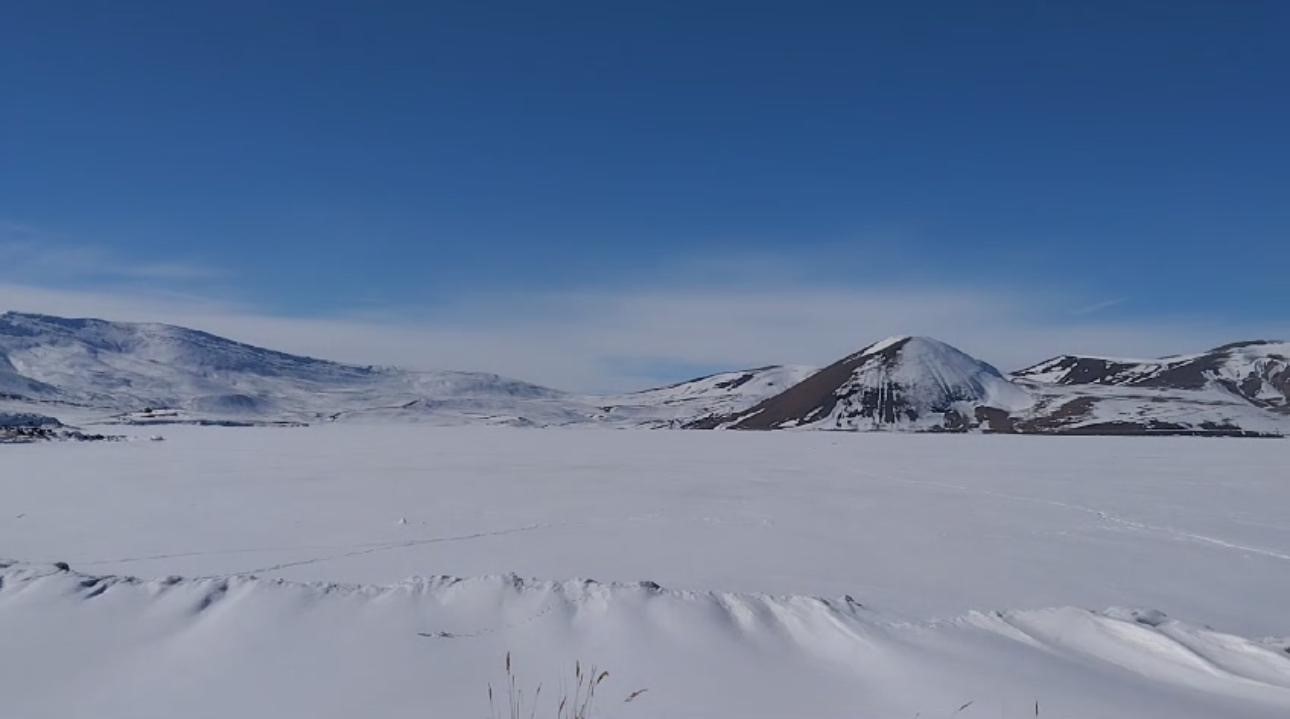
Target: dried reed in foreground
point(576, 704)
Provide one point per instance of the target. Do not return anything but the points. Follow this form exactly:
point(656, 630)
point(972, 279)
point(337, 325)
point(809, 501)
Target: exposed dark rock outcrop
point(1257, 371)
point(902, 382)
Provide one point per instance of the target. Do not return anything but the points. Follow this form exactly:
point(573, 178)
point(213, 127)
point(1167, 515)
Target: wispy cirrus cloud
point(33, 255)
point(1098, 306)
point(619, 340)
point(609, 337)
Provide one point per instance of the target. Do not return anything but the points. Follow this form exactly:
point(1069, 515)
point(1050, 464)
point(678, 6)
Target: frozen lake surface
point(1099, 576)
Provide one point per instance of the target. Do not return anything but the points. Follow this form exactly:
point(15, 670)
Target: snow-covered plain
point(270, 572)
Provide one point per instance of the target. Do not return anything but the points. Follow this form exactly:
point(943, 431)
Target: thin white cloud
point(577, 340)
point(1098, 306)
point(766, 311)
point(34, 256)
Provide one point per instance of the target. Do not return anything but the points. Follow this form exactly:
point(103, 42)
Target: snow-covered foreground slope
point(930, 535)
point(219, 647)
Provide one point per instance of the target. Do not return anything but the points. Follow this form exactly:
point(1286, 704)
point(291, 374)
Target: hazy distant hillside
point(126, 368)
point(133, 372)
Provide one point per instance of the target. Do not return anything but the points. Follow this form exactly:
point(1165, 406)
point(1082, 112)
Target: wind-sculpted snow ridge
point(246, 646)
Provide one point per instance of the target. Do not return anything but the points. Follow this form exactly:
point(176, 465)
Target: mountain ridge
point(895, 382)
point(904, 383)
point(1255, 370)
point(130, 369)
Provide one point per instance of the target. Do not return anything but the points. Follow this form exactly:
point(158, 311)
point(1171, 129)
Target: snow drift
point(79, 644)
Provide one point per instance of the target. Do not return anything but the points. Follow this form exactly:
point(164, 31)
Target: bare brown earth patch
point(813, 397)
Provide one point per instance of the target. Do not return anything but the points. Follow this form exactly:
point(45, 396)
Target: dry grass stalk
point(576, 704)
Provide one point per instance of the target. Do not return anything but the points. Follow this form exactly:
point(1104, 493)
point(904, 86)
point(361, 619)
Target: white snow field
point(307, 572)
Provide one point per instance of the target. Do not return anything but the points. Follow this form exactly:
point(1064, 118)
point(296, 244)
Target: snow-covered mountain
point(131, 367)
point(1100, 409)
point(154, 373)
point(713, 395)
point(87, 371)
point(115, 364)
point(921, 384)
point(915, 383)
point(1257, 371)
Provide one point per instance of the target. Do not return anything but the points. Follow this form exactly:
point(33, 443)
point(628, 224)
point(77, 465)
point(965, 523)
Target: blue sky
point(655, 188)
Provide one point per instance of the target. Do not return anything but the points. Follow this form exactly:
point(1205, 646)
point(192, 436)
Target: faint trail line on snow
point(385, 546)
point(378, 545)
point(491, 630)
point(1201, 538)
point(211, 552)
point(1106, 517)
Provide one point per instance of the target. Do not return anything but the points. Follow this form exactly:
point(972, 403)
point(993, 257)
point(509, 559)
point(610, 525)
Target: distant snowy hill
point(120, 365)
point(921, 384)
point(1099, 409)
point(898, 383)
point(128, 367)
point(1256, 371)
point(155, 373)
point(713, 395)
point(93, 371)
